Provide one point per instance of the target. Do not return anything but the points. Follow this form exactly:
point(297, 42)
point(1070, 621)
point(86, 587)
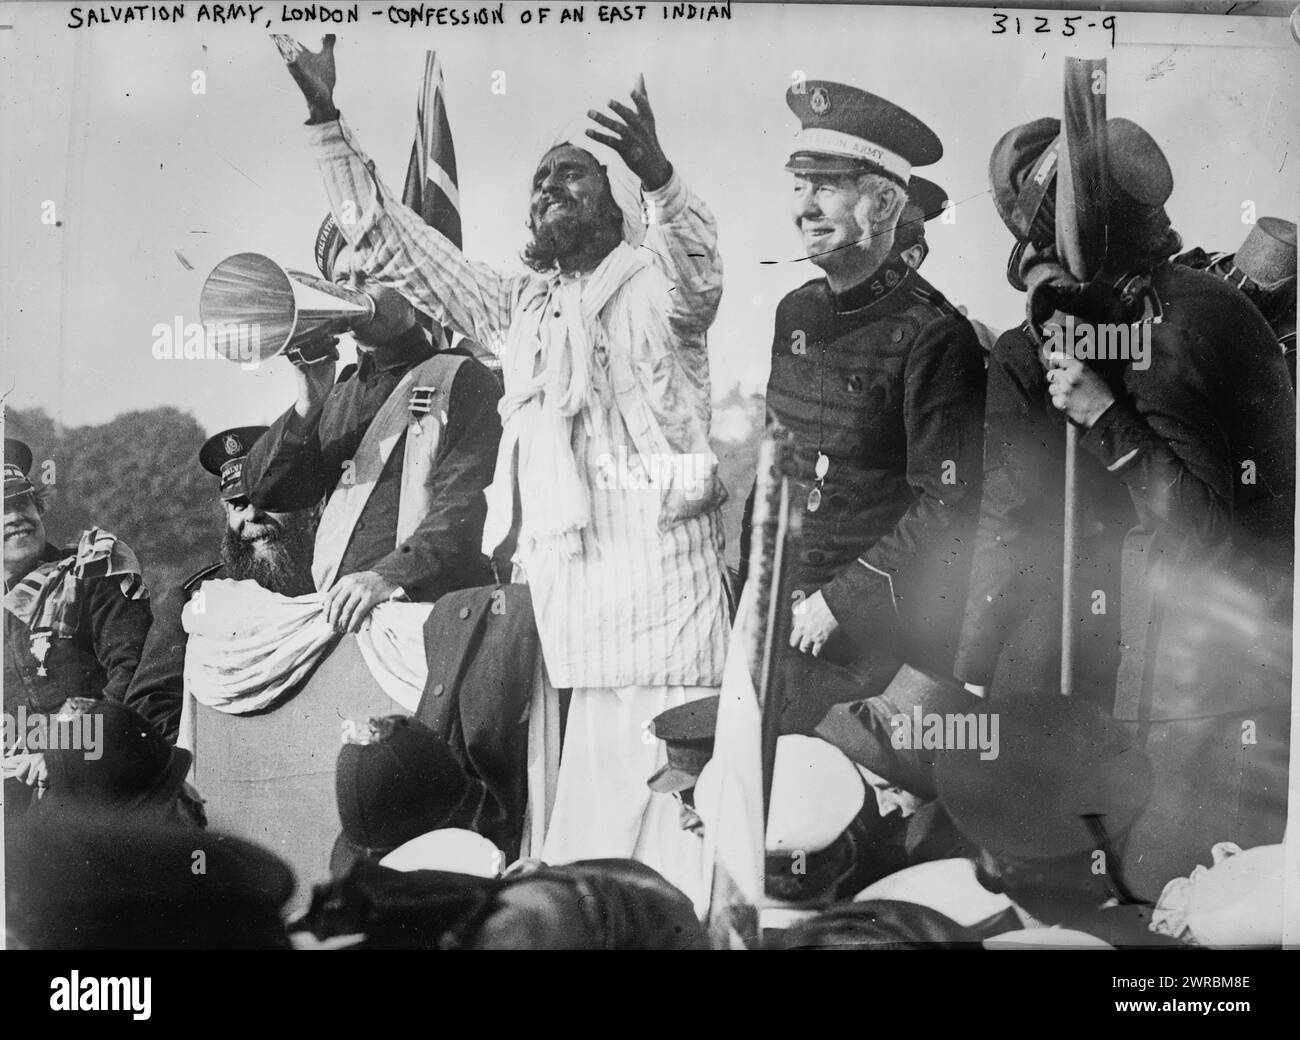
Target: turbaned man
point(605, 470)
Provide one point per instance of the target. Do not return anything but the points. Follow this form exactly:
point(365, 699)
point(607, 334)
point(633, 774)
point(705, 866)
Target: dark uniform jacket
point(98, 660)
point(888, 381)
point(1202, 442)
point(158, 687)
point(1011, 639)
point(299, 461)
point(482, 648)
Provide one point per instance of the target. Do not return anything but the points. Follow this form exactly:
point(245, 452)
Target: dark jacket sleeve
point(943, 411)
point(157, 690)
point(119, 626)
point(1020, 511)
point(285, 470)
point(452, 533)
point(1164, 439)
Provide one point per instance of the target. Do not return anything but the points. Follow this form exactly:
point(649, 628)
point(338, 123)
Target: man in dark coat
point(311, 451)
point(75, 618)
point(1196, 424)
point(273, 549)
point(881, 383)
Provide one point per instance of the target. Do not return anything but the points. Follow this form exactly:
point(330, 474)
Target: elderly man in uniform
point(1187, 478)
point(75, 618)
point(401, 445)
point(272, 549)
point(605, 497)
point(881, 383)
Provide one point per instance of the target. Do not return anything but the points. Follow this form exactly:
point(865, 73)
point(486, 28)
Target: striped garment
point(643, 603)
point(639, 606)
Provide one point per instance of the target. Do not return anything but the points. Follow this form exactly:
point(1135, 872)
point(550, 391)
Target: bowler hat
point(395, 781)
point(1023, 169)
point(118, 761)
point(1061, 769)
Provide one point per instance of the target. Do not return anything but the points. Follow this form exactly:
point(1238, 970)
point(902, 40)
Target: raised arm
point(391, 243)
point(683, 235)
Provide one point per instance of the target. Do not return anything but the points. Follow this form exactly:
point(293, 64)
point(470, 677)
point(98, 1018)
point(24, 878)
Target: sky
point(104, 123)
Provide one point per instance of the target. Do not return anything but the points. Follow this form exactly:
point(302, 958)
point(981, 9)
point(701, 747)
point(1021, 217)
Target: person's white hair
point(872, 185)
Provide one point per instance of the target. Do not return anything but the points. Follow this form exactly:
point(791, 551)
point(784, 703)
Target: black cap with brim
point(847, 130)
point(223, 456)
point(925, 201)
point(687, 732)
point(18, 463)
point(685, 763)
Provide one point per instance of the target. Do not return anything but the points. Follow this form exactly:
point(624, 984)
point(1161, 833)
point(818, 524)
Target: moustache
point(260, 531)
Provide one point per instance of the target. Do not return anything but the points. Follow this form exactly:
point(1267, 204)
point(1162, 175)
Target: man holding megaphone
point(606, 497)
point(401, 447)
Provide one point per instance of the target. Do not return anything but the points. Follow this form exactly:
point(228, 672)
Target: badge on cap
point(232, 445)
point(820, 101)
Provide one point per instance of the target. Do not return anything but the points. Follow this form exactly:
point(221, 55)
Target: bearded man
point(605, 498)
point(272, 549)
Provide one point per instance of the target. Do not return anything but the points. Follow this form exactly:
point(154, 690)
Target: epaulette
point(195, 580)
point(926, 293)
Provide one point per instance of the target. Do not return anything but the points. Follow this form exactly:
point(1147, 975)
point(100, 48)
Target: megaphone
point(249, 297)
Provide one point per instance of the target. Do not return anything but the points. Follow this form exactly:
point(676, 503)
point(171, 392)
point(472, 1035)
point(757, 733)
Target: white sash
point(349, 498)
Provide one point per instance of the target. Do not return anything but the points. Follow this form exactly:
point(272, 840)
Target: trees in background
point(136, 475)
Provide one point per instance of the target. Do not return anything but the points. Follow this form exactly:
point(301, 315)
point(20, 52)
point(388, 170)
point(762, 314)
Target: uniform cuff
point(858, 592)
point(1115, 439)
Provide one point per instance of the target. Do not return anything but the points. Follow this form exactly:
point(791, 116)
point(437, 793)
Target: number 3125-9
point(1043, 24)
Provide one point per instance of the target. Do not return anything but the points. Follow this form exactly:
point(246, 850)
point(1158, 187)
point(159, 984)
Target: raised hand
point(634, 138)
point(314, 74)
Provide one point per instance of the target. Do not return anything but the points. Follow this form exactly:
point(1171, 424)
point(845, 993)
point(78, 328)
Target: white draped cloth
point(248, 646)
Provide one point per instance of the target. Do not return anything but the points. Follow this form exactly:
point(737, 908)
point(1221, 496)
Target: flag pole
point(1081, 238)
point(774, 518)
